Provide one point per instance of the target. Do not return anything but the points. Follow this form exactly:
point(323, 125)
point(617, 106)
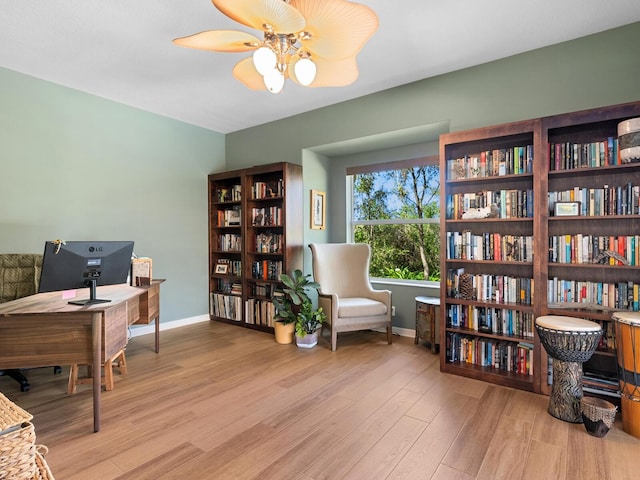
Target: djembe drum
point(569, 342)
point(627, 328)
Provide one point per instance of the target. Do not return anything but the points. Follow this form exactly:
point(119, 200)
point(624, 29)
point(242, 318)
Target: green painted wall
point(76, 167)
point(597, 70)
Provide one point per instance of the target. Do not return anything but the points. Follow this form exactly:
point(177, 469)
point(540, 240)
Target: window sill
point(405, 282)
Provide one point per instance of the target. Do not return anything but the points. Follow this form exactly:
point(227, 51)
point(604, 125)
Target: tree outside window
point(396, 211)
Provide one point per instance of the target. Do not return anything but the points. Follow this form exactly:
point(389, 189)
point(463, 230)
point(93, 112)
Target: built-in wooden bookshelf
point(488, 231)
point(593, 257)
point(584, 265)
point(255, 233)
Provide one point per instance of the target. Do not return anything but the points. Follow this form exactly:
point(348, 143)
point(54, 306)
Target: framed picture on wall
point(318, 207)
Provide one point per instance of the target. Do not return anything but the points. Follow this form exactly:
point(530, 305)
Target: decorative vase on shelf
point(310, 340)
point(284, 332)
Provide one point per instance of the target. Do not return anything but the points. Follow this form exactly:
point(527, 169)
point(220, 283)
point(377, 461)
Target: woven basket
point(17, 442)
point(598, 415)
point(42, 468)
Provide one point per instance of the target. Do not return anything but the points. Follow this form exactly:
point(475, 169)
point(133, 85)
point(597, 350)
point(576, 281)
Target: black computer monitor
point(82, 264)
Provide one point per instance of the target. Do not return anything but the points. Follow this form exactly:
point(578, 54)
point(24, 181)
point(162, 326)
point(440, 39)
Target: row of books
point(494, 320)
point(492, 163)
point(620, 200)
point(489, 246)
point(229, 217)
point(266, 217)
point(620, 295)
point(226, 306)
point(501, 203)
point(230, 194)
point(569, 155)
point(266, 269)
point(602, 249)
point(492, 288)
point(269, 189)
point(268, 242)
point(267, 290)
point(259, 312)
point(228, 287)
point(229, 242)
point(484, 352)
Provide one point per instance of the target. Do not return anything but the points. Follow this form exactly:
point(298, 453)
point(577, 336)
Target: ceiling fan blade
point(220, 41)
point(245, 72)
point(330, 72)
point(338, 28)
point(282, 17)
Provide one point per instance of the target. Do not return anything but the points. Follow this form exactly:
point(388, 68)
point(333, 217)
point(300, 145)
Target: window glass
point(397, 211)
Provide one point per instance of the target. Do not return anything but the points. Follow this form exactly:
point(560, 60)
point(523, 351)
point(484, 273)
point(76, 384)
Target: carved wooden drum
point(569, 342)
point(627, 327)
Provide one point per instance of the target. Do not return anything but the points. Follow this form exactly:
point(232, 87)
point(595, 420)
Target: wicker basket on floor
point(17, 442)
point(42, 468)
point(598, 415)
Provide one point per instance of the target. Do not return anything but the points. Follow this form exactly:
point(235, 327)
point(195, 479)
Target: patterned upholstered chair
point(345, 293)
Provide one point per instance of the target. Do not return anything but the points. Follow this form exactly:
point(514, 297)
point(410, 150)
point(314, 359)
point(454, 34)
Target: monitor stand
point(92, 295)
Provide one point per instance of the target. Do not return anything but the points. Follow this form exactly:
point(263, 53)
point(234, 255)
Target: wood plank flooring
point(222, 402)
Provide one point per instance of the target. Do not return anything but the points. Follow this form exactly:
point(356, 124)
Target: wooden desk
point(150, 307)
point(43, 329)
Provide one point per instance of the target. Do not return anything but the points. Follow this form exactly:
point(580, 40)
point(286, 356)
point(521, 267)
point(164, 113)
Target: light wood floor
point(221, 402)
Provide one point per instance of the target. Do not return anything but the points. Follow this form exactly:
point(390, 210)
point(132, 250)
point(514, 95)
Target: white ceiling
point(121, 50)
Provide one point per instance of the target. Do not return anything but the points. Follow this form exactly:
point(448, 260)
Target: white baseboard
point(136, 331)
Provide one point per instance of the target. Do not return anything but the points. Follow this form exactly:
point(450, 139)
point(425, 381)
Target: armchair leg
point(334, 339)
point(389, 335)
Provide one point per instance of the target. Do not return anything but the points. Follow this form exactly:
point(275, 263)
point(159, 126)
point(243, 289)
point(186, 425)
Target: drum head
point(568, 324)
point(630, 318)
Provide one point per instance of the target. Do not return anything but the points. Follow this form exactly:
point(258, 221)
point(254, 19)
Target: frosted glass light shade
point(274, 81)
point(264, 59)
point(305, 71)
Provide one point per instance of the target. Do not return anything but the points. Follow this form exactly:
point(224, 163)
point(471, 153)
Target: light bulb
point(264, 59)
point(274, 81)
point(305, 71)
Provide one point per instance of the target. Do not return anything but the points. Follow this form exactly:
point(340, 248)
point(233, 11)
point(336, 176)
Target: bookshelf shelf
point(274, 218)
point(576, 266)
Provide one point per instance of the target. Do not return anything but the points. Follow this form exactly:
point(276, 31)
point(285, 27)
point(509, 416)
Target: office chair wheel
point(57, 369)
point(24, 386)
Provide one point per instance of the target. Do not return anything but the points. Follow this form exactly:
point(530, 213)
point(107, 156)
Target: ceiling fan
point(312, 42)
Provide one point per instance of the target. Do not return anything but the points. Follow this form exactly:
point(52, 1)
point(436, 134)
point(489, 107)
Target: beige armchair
point(345, 293)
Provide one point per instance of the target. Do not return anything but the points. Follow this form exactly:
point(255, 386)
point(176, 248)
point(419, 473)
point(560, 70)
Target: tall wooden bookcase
point(255, 233)
point(518, 260)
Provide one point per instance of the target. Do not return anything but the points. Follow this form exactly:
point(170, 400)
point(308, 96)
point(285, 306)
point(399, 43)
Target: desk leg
point(157, 321)
point(97, 367)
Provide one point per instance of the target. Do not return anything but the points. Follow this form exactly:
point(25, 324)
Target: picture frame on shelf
point(566, 209)
point(222, 268)
point(318, 210)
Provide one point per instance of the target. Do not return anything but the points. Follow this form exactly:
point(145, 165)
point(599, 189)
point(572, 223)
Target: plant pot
point(284, 332)
point(310, 340)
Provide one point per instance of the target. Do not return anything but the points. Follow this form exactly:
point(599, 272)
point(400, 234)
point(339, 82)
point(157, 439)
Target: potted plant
point(307, 324)
point(290, 302)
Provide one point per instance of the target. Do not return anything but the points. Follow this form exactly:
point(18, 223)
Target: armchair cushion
point(360, 307)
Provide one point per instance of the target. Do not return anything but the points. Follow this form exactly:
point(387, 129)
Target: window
point(395, 209)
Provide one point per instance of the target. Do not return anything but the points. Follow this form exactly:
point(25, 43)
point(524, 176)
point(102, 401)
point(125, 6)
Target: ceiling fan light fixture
point(305, 71)
point(274, 81)
point(312, 42)
point(264, 59)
